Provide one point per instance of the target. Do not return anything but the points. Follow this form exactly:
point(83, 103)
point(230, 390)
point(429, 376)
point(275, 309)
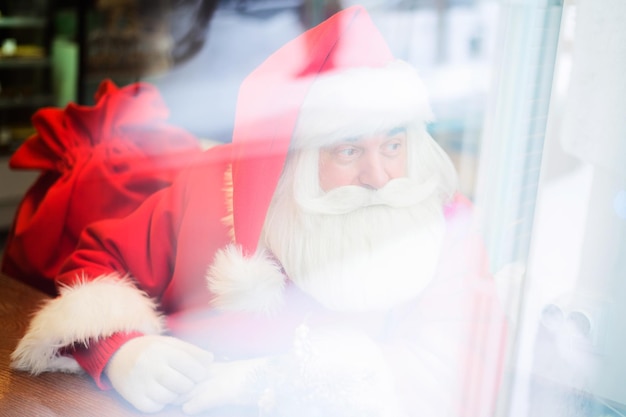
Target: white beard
point(368, 258)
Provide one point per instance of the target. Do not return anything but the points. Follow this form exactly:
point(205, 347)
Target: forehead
point(396, 132)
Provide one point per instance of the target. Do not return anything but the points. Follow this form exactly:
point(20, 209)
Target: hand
point(153, 371)
point(227, 383)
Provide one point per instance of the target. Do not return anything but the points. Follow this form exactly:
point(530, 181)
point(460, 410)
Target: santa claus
point(321, 263)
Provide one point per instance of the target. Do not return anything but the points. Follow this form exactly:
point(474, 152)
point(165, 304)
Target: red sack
point(97, 162)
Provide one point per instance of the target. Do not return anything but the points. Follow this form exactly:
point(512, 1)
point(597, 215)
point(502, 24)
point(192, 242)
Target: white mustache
point(397, 193)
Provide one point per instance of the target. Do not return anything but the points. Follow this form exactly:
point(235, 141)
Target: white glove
point(227, 383)
point(153, 371)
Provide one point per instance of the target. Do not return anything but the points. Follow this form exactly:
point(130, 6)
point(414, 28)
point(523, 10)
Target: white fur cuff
point(86, 311)
point(360, 101)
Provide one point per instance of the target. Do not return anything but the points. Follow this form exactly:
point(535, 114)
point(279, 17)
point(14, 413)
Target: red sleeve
point(134, 246)
point(94, 357)
point(144, 244)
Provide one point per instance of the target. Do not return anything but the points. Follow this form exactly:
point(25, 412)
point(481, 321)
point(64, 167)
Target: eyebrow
point(396, 130)
point(351, 139)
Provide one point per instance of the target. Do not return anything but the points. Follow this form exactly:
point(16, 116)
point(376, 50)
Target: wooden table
point(49, 394)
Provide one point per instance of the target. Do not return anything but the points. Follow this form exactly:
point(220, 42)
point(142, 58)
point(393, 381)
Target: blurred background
point(529, 98)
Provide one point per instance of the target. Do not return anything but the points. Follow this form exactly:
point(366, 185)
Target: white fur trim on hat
point(358, 101)
point(248, 284)
point(86, 311)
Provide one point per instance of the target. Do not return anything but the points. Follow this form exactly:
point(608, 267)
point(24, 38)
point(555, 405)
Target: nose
point(373, 172)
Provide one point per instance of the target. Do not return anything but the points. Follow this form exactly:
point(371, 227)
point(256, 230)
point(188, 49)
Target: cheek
point(333, 176)
point(397, 168)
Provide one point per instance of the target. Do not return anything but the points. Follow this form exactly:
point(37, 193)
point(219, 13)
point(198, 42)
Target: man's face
point(369, 161)
point(336, 245)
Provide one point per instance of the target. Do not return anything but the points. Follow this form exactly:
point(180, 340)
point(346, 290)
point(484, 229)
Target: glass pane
point(570, 359)
point(528, 99)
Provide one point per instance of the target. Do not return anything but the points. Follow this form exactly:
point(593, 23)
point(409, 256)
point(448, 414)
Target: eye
point(392, 147)
point(395, 142)
point(346, 152)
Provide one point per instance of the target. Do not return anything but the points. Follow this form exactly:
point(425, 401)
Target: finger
point(227, 384)
point(159, 394)
point(188, 366)
point(175, 381)
point(146, 404)
point(189, 359)
point(203, 356)
point(205, 396)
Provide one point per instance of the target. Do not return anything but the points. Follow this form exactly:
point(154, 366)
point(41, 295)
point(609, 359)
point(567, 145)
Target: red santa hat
point(338, 79)
point(311, 90)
